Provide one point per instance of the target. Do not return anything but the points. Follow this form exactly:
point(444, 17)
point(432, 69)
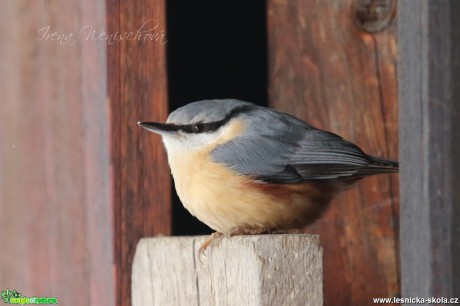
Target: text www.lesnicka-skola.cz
point(416, 300)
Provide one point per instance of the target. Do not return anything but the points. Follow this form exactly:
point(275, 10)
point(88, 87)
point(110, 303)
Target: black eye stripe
point(213, 126)
point(198, 128)
point(201, 127)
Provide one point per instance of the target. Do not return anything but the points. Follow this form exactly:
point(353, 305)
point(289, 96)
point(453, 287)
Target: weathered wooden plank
point(429, 39)
point(55, 197)
point(138, 92)
point(327, 68)
point(242, 270)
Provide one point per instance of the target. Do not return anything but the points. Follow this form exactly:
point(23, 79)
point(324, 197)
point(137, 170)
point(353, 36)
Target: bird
point(245, 169)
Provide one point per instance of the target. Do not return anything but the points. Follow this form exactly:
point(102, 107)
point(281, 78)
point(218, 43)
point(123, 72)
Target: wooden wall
point(80, 182)
point(333, 63)
point(137, 91)
point(429, 39)
point(55, 181)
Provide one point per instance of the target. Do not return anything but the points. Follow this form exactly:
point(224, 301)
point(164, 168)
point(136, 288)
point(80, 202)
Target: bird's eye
point(197, 128)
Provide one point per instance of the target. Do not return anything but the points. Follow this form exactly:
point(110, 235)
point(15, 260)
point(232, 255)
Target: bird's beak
point(159, 128)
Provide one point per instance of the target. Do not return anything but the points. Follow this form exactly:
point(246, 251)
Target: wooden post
point(429, 39)
point(333, 63)
point(242, 270)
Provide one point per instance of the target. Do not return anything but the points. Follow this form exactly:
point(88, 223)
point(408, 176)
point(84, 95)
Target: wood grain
point(429, 71)
point(242, 270)
point(55, 197)
point(326, 69)
point(137, 92)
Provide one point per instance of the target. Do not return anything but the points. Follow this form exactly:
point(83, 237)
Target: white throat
point(183, 143)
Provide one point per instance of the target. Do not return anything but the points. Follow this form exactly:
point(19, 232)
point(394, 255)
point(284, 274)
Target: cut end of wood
point(242, 270)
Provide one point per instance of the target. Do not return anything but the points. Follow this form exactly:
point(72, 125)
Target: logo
point(14, 297)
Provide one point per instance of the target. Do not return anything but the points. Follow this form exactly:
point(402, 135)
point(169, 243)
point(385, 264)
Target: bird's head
point(199, 124)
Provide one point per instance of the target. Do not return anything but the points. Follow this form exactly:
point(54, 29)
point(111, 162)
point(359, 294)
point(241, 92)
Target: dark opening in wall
point(216, 50)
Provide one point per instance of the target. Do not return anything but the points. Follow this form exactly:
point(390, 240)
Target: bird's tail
point(379, 165)
point(384, 163)
point(376, 165)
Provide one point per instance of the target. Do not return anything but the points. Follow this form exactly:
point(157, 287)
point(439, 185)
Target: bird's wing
point(324, 155)
point(287, 152)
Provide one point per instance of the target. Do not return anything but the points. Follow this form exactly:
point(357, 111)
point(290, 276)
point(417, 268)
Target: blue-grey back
point(278, 147)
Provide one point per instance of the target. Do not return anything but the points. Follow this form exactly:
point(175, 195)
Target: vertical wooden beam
point(137, 92)
point(429, 72)
point(55, 199)
point(333, 63)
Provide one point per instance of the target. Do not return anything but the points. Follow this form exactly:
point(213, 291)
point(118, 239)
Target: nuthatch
point(246, 169)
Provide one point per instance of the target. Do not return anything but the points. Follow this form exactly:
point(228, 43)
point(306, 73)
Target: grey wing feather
point(323, 155)
point(283, 149)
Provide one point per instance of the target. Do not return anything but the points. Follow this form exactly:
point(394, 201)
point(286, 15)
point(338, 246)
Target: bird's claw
point(208, 241)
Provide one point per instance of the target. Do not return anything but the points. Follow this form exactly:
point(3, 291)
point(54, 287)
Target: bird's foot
point(214, 236)
point(239, 230)
point(250, 230)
